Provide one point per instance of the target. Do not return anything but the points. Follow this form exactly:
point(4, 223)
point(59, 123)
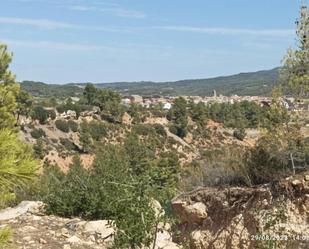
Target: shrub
point(6, 238)
point(217, 167)
point(37, 133)
point(39, 149)
point(143, 129)
point(62, 125)
point(160, 130)
point(178, 130)
point(96, 129)
point(52, 114)
point(69, 145)
point(125, 171)
point(39, 113)
point(86, 142)
point(73, 125)
point(240, 134)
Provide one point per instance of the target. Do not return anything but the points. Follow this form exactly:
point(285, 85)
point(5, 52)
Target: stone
point(92, 238)
point(306, 177)
point(65, 232)
point(27, 238)
point(196, 212)
point(29, 228)
point(296, 182)
point(66, 246)
point(74, 240)
point(42, 241)
point(23, 208)
point(156, 206)
point(101, 227)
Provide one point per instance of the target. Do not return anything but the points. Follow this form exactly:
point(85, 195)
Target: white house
point(167, 106)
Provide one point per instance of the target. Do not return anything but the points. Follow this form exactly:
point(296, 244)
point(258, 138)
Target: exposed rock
point(42, 241)
point(296, 182)
point(32, 231)
point(22, 208)
point(126, 119)
point(193, 213)
point(74, 240)
point(103, 228)
point(233, 218)
point(188, 138)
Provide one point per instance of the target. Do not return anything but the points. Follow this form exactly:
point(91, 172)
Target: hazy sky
point(58, 41)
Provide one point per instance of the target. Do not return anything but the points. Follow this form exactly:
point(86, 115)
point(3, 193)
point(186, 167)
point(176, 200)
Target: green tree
point(138, 154)
point(17, 166)
point(24, 104)
point(179, 115)
point(296, 63)
point(127, 172)
point(135, 111)
point(9, 90)
point(90, 94)
point(198, 112)
point(39, 113)
point(276, 117)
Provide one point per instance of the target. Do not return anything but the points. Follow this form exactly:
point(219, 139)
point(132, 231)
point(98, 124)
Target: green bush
point(39, 113)
point(73, 125)
point(240, 134)
point(125, 171)
point(96, 129)
point(37, 133)
point(62, 125)
point(39, 149)
point(69, 145)
point(143, 129)
point(160, 130)
point(223, 166)
point(178, 130)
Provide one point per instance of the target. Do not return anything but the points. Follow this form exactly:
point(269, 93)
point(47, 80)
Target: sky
point(62, 41)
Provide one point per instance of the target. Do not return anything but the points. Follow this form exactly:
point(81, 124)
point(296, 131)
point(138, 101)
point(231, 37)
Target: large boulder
point(190, 213)
point(23, 208)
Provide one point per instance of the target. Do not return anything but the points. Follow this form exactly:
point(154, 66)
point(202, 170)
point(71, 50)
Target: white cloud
point(50, 24)
point(39, 23)
point(228, 31)
point(109, 8)
point(55, 45)
point(116, 11)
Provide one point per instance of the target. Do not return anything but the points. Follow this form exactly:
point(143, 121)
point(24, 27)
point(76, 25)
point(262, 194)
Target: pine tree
point(296, 63)
point(9, 90)
point(17, 165)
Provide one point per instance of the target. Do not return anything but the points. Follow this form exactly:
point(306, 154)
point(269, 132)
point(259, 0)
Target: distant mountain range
point(252, 83)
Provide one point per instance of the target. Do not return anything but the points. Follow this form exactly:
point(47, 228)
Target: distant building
point(137, 99)
point(125, 101)
point(214, 93)
point(167, 106)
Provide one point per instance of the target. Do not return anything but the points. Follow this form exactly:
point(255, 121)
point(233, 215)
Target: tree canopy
point(296, 62)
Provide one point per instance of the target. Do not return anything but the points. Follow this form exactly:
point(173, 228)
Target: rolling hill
point(252, 83)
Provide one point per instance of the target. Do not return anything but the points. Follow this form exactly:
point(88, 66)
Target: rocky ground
point(32, 229)
point(268, 216)
point(209, 218)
